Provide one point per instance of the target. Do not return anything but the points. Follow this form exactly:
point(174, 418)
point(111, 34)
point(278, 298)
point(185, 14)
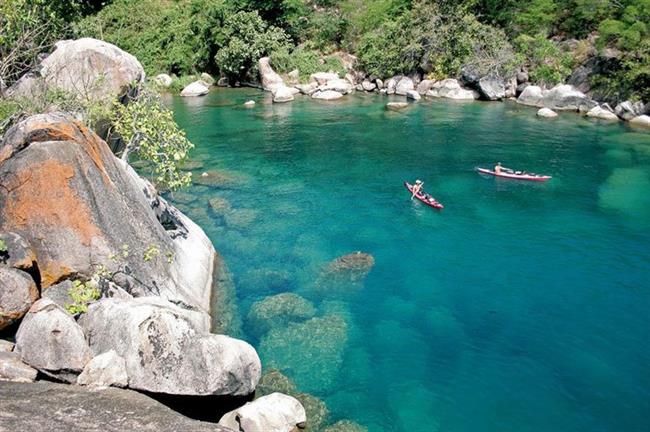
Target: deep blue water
point(519, 307)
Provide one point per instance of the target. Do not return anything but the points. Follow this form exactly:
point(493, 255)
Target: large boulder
point(342, 86)
point(404, 85)
point(17, 294)
point(165, 351)
point(92, 69)
point(207, 78)
point(413, 95)
point(12, 368)
point(104, 370)
point(307, 89)
point(327, 95)
point(283, 94)
point(628, 110)
point(272, 413)
point(197, 88)
point(601, 113)
point(163, 80)
point(50, 340)
point(322, 78)
point(642, 121)
point(368, 86)
point(450, 88)
point(47, 406)
point(424, 86)
point(77, 205)
point(491, 88)
point(271, 81)
point(391, 84)
point(565, 97)
point(29, 86)
point(531, 96)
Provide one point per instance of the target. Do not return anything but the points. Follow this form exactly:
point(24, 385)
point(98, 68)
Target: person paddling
point(417, 187)
point(498, 169)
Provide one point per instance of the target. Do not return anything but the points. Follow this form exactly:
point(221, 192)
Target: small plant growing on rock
point(150, 253)
point(81, 294)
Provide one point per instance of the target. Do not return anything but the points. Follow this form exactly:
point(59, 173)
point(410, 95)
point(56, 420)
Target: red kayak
point(515, 176)
point(425, 198)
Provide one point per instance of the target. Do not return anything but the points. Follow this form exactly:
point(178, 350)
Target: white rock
point(6, 346)
point(368, 86)
point(531, 96)
point(546, 112)
point(12, 368)
point(338, 85)
point(323, 77)
point(642, 120)
point(307, 89)
point(395, 106)
point(413, 94)
point(327, 95)
point(50, 340)
point(564, 97)
point(249, 104)
point(391, 85)
point(197, 88)
point(424, 86)
point(163, 80)
point(380, 83)
point(294, 76)
point(104, 370)
point(404, 85)
point(283, 94)
point(602, 113)
point(351, 79)
point(272, 413)
point(627, 110)
point(271, 81)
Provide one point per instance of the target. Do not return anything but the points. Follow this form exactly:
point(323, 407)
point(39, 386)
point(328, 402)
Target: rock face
point(104, 370)
point(50, 340)
point(327, 95)
point(45, 406)
point(83, 223)
point(163, 80)
point(272, 413)
point(91, 68)
point(283, 94)
point(492, 88)
point(12, 368)
point(601, 113)
point(279, 310)
point(404, 85)
point(197, 88)
point(270, 79)
point(547, 113)
point(17, 294)
point(164, 352)
point(643, 121)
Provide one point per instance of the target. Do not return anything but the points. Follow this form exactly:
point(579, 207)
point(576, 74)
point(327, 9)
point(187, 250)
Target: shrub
point(547, 63)
point(306, 61)
point(81, 294)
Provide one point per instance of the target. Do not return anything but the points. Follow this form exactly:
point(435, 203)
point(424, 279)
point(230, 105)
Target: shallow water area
point(519, 307)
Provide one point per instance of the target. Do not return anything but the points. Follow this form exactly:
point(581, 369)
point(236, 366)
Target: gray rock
point(91, 69)
point(469, 76)
point(450, 88)
point(380, 83)
point(351, 78)
point(342, 86)
point(413, 95)
point(531, 96)
point(322, 78)
point(249, 104)
point(547, 113)
point(6, 346)
point(19, 253)
point(520, 88)
point(223, 82)
point(396, 106)
point(368, 86)
point(207, 78)
point(641, 121)
point(327, 95)
point(272, 413)
point(279, 310)
point(164, 352)
point(628, 110)
point(283, 94)
point(564, 97)
point(391, 85)
point(307, 89)
point(163, 80)
point(511, 87)
point(271, 81)
point(294, 76)
point(60, 293)
point(601, 113)
point(404, 85)
point(17, 294)
point(197, 88)
point(492, 88)
point(50, 340)
point(46, 406)
point(424, 86)
point(522, 77)
point(12, 368)
point(29, 86)
point(105, 370)
point(83, 223)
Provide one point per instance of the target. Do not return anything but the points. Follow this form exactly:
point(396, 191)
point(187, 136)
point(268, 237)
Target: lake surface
point(519, 307)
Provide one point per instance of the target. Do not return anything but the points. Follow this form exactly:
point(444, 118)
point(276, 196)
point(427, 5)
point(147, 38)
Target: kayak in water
point(516, 175)
point(424, 197)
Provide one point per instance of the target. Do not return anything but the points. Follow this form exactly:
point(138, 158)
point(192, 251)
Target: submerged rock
point(220, 206)
point(345, 426)
point(240, 218)
point(219, 179)
point(316, 344)
point(272, 413)
point(46, 406)
point(197, 88)
point(353, 267)
point(50, 340)
point(164, 352)
point(266, 280)
point(191, 165)
point(279, 310)
point(283, 94)
point(106, 369)
point(396, 106)
point(17, 294)
point(275, 381)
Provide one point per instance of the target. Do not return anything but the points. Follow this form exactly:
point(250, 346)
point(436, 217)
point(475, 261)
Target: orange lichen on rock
point(47, 199)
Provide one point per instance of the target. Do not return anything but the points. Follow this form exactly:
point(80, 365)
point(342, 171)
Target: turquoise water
point(519, 307)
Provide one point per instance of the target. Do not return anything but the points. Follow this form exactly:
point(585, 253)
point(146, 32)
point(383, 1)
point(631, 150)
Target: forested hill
point(603, 43)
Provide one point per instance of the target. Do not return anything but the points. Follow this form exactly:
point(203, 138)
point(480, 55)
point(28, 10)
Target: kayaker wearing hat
point(417, 187)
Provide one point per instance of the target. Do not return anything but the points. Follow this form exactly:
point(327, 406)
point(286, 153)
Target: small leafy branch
point(3, 246)
point(82, 293)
